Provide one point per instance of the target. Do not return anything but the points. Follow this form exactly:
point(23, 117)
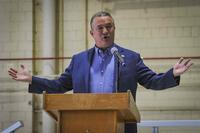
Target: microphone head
point(113, 50)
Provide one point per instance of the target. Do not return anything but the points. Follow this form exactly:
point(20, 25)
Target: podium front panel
point(91, 122)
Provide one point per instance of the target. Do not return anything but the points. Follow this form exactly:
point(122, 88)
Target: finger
point(189, 64)
point(13, 76)
point(13, 70)
point(187, 61)
point(180, 60)
point(184, 62)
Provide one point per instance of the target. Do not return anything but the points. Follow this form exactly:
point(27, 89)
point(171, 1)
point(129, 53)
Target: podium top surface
point(122, 102)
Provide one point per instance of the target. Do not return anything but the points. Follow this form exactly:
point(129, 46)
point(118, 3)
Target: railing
point(64, 58)
point(12, 128)
point(155, 124)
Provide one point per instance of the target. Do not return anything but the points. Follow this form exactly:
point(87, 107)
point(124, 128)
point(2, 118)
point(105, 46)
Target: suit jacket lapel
point(90, 55)
point(118, 69)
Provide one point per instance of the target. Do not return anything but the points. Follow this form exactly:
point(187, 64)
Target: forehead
point(102, 20)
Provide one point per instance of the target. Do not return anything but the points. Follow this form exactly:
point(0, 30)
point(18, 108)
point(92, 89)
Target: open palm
point(20, 75)
point(181, 66)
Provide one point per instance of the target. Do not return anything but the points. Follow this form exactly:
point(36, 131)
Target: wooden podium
point(91, 113)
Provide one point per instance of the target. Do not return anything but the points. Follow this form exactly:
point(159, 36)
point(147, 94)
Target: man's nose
point(105, 30)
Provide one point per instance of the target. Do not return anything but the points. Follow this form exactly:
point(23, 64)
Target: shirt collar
point(100, 52)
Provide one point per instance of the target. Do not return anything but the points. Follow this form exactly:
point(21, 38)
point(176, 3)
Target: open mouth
point(106, 37)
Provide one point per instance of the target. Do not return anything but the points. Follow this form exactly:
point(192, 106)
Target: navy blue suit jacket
point(76, 77)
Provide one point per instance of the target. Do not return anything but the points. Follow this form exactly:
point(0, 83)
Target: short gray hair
point(100, 14)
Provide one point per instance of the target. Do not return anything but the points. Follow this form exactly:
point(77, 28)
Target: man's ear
point(91, 32)
point(114, 27)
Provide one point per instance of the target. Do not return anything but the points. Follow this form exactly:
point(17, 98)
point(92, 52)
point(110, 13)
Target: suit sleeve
point(60, 85)
point(151, 80)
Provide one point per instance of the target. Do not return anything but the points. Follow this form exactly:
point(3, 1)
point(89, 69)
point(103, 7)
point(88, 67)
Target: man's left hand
point(181, 66)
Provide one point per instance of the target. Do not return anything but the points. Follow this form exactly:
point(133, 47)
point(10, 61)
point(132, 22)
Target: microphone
point(115, 52)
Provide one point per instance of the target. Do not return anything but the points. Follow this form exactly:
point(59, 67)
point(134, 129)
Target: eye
point(108, 26)
point(100, 28)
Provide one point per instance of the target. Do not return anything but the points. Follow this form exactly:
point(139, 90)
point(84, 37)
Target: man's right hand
point(20, 75)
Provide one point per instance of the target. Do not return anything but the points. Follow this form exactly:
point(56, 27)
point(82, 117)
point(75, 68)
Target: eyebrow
point(105, 24)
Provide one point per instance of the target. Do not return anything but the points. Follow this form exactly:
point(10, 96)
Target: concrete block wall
point(15, 42)
point(74, 27)
point(16, 106)
point(159, 31)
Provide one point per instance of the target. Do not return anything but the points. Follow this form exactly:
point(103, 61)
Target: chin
point(107, 45)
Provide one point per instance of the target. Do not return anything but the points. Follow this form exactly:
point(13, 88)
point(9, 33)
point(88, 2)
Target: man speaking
point(105, 68)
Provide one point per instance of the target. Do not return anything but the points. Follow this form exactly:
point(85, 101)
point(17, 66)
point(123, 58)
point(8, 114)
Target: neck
point(103, 48)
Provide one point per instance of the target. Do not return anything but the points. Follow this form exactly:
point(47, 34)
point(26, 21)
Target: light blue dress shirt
point(102, 72)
